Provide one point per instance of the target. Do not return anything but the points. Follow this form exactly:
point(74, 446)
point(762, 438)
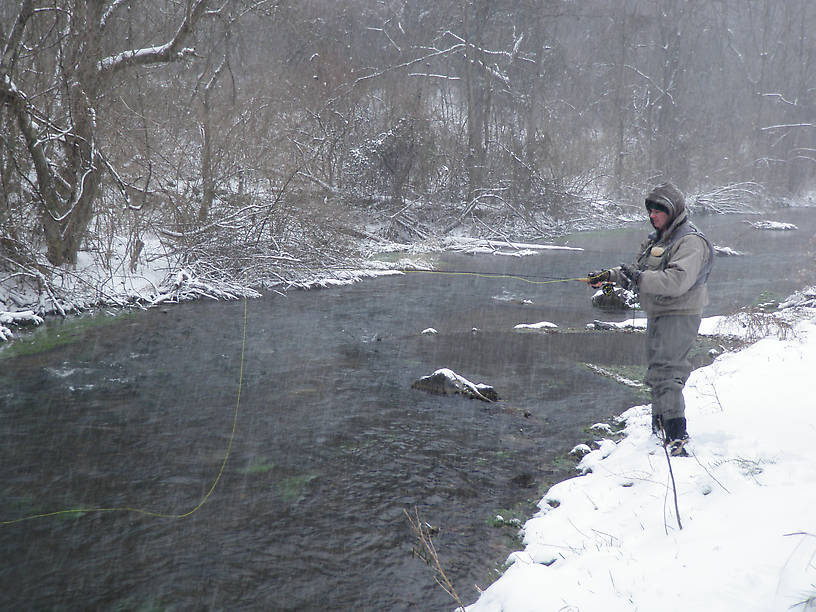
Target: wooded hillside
point(250, 133)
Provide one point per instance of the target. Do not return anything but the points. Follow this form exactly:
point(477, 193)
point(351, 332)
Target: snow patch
point(540, 326)
point(724, 251)
point(499, 247)
point(778, 226)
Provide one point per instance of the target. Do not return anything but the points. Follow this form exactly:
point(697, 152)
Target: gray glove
point(629, 277)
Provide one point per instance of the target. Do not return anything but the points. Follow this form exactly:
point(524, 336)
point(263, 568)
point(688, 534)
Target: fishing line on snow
point(152, 513)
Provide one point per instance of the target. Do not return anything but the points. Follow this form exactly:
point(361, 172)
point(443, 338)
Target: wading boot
point(676, 436)
point(657, 424)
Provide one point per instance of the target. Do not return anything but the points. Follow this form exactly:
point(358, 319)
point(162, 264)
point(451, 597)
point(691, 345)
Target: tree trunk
point(476, 111)
point(207, 179)
point(620, 108)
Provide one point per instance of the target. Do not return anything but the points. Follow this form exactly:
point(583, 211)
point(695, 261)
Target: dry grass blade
point(427, 552)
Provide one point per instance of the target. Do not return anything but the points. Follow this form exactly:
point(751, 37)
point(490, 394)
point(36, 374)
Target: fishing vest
point(683, 230)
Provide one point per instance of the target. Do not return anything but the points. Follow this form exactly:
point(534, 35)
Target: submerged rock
point(448, 382)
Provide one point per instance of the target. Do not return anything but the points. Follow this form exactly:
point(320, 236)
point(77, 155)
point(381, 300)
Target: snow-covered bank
point(746, 325)
point(161, 279)
point(611, 539)
point(477, 246)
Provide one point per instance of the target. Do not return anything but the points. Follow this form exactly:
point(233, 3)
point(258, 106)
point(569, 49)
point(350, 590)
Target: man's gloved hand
point(596, 279)
point(629, 277)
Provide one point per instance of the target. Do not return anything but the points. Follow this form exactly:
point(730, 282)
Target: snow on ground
point(611, 539)
point(772, 225)
point(616, 377)
point(726, 251)
point(92, 282)
point(15, 318)
point(499, 247)
point(340, 278)
point(745, 325)
point(540, 326)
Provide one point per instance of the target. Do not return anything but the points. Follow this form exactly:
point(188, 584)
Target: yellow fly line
point(524, 279)
point(170, 515)
point(152, 513)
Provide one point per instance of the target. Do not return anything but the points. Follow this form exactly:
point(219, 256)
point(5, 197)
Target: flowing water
point(131, 418)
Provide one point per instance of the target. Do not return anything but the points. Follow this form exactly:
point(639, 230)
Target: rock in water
point(448, 382)
point(616, 299)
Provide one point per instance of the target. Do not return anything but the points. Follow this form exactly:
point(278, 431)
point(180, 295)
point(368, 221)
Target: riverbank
point(740, 535)
point(160, 275)
point(91, 285)
point(161, 279)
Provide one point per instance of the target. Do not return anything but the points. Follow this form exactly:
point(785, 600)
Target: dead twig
point(427, 552)
point(674, 486)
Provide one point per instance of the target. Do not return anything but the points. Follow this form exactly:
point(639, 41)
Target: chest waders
point(686, 228)
point(669, 339)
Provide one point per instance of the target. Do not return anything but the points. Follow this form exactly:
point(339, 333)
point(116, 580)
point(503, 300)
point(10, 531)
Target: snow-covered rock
point(616, 298)
point(535, 327)
point(447, 382)
point(778, 226)
point(724, 251)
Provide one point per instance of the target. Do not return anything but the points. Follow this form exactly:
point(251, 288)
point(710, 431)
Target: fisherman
point(670, 275)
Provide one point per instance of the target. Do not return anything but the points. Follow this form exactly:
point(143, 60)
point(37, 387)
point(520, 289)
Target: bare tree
point(310, 118)
point(57, 111)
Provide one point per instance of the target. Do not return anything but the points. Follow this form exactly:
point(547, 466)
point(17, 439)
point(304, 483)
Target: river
point(131, 417)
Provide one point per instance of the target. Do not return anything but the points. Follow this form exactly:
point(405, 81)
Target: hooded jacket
point(674, 263)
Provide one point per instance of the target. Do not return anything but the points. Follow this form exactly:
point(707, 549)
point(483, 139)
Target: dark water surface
point(331, 444)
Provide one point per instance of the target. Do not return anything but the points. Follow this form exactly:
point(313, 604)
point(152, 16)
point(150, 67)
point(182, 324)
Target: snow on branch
point(804, 298)
point(494, 70)
point(766, 224)
point(13, 45)
point(511, 55)
point(186, 285)
point(431, 54)
point(16, 318)
point(150, 55)
point(730, 199)
point(168, 52)
point(782, 126)
point(434, 76)
point(109, 11)
point(781, 97)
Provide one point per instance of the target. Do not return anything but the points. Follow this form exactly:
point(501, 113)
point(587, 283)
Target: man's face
point(658, 218)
